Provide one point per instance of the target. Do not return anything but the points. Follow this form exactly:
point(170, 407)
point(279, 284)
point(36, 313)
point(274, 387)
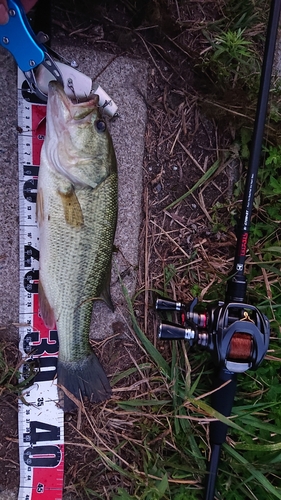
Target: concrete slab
point(9, 212)
point(125, 81)
point(9, 495)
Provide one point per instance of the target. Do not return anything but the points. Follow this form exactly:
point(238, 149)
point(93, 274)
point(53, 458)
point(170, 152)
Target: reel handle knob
point(168, 305)
point(170, 331)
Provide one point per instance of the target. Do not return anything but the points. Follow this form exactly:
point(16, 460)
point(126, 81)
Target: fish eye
point(100, 125)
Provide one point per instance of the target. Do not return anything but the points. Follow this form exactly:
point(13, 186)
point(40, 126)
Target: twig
point(171, 239)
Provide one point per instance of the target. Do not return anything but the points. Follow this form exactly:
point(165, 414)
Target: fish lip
point(56, 91)
point(56, 88)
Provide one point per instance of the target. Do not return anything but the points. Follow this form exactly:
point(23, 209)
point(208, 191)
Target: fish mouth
point(62, 113)
point(76, 110)
point(56, 90)
point(65, 123)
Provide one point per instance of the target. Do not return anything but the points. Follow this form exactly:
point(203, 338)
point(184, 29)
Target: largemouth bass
point(76, 213)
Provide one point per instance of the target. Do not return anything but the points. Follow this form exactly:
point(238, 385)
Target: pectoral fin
point(72, 208)
point(40, 207)
point(46, 310)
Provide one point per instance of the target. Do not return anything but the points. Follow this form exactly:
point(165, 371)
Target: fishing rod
point(234, 332)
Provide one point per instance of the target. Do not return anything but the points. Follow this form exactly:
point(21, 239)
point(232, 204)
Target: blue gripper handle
point(18, 38)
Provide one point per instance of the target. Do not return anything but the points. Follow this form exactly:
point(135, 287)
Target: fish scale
point(78, 267)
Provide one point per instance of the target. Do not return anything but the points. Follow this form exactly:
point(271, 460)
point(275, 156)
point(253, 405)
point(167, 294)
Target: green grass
point(233, 58)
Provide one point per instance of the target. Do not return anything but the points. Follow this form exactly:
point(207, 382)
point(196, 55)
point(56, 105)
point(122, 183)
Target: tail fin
point(85, 378)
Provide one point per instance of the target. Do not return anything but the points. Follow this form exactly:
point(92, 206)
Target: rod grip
point(222, 401)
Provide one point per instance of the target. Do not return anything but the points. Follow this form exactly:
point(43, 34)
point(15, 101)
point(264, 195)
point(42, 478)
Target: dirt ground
point(182, 142)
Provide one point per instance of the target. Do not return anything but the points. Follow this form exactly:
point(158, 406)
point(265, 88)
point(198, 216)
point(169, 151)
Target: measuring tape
point(40, 420)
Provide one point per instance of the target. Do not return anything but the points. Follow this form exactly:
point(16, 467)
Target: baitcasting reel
point(236, 334)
